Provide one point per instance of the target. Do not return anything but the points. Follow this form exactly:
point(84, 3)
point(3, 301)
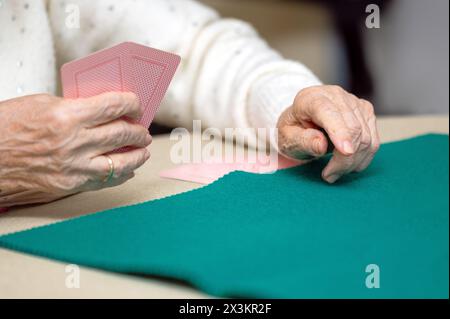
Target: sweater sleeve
point(229, 77)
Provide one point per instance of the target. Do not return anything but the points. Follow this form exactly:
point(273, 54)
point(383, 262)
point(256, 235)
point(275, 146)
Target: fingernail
point(332, 178)
point(148, 139)
point(348, 147)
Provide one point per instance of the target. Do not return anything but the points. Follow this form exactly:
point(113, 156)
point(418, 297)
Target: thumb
point(302, 143)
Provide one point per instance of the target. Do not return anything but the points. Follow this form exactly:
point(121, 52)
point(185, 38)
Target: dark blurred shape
point(349, 18)
point(157, 129)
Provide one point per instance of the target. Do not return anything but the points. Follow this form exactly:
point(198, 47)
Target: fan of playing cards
point(127, 67)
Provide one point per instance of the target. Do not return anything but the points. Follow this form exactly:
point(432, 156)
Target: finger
point(365, 162)
point(354, 121)
point(323, 112)
point(340, 165)
point(359, 111)
point(368, 113)
point(107, 107)
point(369, 142)
point(119, 133)
point(300, 143)
point(124, 164)
point(351, 109)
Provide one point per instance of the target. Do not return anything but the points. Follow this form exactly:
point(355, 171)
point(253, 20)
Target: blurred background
point(402, 67)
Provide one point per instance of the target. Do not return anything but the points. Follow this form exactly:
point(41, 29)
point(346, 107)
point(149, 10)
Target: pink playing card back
point(206, 173)
point(127, 67)
point(152, 71)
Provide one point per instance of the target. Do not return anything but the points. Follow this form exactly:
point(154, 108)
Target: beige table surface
point(24, 276)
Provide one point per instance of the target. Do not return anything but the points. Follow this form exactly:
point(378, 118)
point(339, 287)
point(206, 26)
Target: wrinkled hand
point(51, 147)
point(348, 121)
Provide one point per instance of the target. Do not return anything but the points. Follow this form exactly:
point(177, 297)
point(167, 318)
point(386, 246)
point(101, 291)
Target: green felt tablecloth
point(282, 235)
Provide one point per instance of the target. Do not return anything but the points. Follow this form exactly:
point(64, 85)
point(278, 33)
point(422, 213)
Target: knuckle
point(354, 131)
point(110, 110)
point(368, 107)
point(335, 89)
point(306, 92)
point(111, 105)
point(354, 107)
point(59, 130)
point(119, 167)
point(123, 130)
point(352, 96)
point(67, 184)
point(366, 141)
point(61, 117)
point(309, 90)
point(299, 97)
point(354, 127)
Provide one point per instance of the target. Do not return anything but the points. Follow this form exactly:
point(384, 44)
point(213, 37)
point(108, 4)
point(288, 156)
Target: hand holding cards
point(127, 67)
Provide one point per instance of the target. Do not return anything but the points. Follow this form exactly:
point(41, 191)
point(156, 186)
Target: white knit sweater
point(228, 77)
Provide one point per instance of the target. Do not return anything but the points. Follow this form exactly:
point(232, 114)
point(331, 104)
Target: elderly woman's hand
point(348, 121)
point(51, 147)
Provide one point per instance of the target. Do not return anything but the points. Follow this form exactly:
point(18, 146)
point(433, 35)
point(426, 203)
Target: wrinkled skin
point(348, 121)
point(51, 147)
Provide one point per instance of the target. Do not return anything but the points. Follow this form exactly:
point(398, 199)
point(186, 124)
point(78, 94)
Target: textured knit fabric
point(229, 76)
point(282, 235)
